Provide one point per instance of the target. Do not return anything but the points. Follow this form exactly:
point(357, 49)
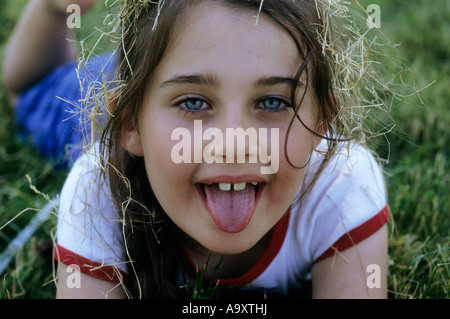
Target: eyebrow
point(211, 80)
point(277, 80)
point(200, 79)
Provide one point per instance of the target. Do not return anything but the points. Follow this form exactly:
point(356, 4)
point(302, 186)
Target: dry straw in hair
point(360, 83)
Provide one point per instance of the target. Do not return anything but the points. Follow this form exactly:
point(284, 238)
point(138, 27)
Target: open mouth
point(231, 205)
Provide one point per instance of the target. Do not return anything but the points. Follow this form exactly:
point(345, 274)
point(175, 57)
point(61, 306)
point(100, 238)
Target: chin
point(229, 249)
point(231, 243)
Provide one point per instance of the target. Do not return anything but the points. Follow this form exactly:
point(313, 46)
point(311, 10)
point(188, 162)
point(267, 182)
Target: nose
point(240, 137)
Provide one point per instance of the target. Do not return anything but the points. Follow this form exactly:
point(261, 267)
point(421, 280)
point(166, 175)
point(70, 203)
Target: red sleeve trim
point(358, 234)
point(88, 267)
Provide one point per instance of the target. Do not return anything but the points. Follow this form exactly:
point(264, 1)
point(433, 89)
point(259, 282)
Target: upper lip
point(233, 179)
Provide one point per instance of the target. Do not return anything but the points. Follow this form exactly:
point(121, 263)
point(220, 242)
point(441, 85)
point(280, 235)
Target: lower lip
point(259, 192)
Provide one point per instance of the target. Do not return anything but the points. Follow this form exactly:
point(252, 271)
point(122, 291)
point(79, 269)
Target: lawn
point(417, 170)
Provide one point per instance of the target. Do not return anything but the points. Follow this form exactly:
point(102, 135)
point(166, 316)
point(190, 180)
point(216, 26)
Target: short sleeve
point(346, 205)
point(89, 232)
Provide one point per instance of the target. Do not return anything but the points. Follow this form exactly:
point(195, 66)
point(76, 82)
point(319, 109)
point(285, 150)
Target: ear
point(324, 120)
point(111, 99)
point(320, 130)
point(132, 141)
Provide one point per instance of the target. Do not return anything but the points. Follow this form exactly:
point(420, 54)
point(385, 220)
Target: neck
point(225, 266)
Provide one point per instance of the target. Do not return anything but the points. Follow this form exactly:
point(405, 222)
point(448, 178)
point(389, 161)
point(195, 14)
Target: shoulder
point(88, 222)
point(350, 179)
point(84, 184)
point(347, 203)
point(352, 175)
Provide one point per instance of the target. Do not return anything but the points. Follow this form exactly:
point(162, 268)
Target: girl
point(137, 223)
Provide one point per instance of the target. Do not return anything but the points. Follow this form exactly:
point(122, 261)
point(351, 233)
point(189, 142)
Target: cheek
point(300, 141)
point(286, 182)
point(168, 182)
point(156, 131)
point(157, 146)
point(171, 182)
point(296, 146)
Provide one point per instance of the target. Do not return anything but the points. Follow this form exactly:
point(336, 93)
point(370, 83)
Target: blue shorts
point(49, 111)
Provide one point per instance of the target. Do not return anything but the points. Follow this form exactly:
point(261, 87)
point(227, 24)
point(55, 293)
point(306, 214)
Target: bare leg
point(39, 43)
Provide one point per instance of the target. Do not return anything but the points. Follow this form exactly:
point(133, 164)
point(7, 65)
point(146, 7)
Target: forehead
point(216, 38)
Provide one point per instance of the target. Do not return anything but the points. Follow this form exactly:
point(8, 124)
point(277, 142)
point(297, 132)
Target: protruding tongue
point(231, 210)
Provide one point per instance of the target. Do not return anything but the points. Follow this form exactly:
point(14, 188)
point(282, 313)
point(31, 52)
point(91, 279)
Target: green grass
point(418, 177)
point(418, 173)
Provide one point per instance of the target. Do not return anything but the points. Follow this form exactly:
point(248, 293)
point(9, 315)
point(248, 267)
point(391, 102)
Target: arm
point(345, 275)
point(87, 287)
point(39, 43)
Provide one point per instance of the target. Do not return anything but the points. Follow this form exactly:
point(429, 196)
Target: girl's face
point(222, 69)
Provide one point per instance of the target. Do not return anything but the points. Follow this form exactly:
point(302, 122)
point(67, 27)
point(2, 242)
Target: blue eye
point(271, 104)
point(193, 104)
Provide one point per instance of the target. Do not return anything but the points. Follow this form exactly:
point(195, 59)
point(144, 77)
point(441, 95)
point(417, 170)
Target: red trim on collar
point(276, 241)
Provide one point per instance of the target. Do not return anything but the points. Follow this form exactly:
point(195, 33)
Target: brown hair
point(154, 250)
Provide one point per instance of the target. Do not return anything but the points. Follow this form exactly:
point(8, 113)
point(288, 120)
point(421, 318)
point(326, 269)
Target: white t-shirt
point(346, 205)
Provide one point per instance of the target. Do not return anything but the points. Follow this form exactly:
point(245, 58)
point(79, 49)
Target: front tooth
point(239, 186)
point(255, 183)
point(225, 186)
